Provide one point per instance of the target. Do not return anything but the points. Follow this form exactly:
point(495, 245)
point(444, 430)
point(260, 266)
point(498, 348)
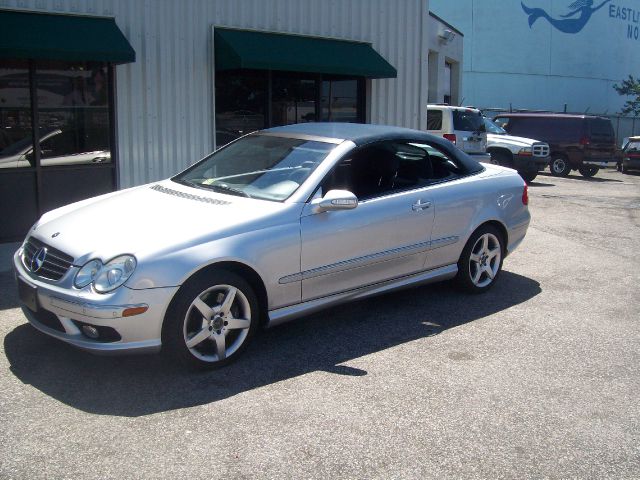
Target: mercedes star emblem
point(38, 259)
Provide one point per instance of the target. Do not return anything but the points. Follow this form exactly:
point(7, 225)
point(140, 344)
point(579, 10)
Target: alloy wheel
point(484, 260)
point(217, 323)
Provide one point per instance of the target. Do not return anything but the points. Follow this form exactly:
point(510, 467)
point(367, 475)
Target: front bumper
point(528, 163)
point(59, 310)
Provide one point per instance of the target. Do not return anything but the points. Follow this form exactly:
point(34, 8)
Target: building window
point(241, 98)
point(250, 100)
point(16, 132)
point(293, 99)
point(339, 100)
point(73, 113)
point(69, 156)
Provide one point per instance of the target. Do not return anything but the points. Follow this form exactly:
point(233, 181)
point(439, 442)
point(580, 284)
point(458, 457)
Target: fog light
point(91, 332)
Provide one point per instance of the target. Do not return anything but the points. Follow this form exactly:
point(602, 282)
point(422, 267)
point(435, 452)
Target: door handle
point(420, 205)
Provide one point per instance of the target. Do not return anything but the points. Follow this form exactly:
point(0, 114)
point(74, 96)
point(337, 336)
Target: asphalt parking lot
point(539, 378)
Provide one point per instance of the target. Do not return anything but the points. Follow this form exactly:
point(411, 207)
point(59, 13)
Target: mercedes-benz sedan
point(275, 225)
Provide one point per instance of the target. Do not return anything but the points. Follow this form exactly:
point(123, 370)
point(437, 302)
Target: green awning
point(235, 49)
point(62, 37)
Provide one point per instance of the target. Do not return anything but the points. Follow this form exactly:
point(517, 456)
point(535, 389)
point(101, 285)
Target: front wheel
point(211, 320)
point(560, 167)
point(588, 171)
point(481, 260)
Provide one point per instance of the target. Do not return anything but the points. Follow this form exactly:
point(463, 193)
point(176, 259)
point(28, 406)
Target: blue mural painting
point(583, 8)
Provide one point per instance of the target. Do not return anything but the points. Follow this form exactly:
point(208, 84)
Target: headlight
point(525, 151)
point(114, 273)
point(87, 273)
point(106, 277)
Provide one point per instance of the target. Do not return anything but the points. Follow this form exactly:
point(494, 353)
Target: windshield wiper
point(223, 187)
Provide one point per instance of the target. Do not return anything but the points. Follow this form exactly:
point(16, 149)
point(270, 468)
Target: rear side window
point(434, 119)
point(601, 130)
point(633, 147)
point(546, 129)
point(467, 120)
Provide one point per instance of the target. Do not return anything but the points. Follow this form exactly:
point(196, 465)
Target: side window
point(502, 122)
point(58, 145)
point(434, 119)
point(389, 167)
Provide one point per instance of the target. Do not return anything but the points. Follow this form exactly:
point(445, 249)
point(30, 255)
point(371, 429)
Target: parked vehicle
point(462, 126)
point(277, 224)
point(578, 142)
point(631, 155)
point(526, 155)
point(57, 147)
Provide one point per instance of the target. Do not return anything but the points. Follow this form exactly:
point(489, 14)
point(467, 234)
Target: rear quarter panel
point(463, 205)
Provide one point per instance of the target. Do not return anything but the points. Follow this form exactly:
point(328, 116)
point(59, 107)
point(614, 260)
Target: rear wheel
point(481, 260)
point(211, 320)
point(560, 166)
point(588, 171)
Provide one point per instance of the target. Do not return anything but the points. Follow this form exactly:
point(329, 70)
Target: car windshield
point(493, 128)
point(258, 166)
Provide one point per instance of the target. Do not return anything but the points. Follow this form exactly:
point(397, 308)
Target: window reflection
point(293, 99)
point(73, 113)
point(15, 114)
point(339, 101)
point(240, 104)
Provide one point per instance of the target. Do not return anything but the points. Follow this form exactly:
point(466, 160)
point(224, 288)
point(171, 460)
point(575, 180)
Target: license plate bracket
point(28, 295)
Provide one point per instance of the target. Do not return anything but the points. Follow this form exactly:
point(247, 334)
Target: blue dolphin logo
point(571, 25)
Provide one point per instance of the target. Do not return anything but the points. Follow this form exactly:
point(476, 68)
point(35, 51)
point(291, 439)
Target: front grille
point(540, 150)
point(55, 264)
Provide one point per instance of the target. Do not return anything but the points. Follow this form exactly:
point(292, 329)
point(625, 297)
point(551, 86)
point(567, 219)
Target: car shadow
point(585, 179)
point(536, 184)
point(142, 385)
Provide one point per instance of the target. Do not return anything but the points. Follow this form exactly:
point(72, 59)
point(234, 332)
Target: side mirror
point(335, 200)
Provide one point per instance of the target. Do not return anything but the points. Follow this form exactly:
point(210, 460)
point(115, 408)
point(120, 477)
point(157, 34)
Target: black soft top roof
point(363, 134)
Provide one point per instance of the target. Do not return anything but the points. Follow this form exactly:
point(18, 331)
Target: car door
point(386, 236)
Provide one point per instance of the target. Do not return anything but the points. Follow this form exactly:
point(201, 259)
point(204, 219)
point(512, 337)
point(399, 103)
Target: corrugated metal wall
point(165, 98)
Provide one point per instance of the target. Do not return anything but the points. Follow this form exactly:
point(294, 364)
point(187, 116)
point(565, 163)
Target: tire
point(588, 171)
point(559, 166)
point(624, 169)
point(211, 320)
point(501, 158)
point(480, 262)
point(528, 176)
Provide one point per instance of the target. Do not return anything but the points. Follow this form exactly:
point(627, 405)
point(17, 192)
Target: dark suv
point(578, 142)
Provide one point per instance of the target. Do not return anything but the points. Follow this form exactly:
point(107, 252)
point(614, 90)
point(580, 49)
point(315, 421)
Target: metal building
point(546, 54)
point(128, 92)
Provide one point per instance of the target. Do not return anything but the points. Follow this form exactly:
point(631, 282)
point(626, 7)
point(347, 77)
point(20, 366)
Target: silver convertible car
point(273, 226)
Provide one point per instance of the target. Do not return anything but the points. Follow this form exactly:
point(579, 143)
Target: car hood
point(153, 218)
point(519, 141)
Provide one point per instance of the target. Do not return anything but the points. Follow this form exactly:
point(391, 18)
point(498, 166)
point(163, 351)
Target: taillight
point(525, 195)
point(585, 140)
point(451, 137)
